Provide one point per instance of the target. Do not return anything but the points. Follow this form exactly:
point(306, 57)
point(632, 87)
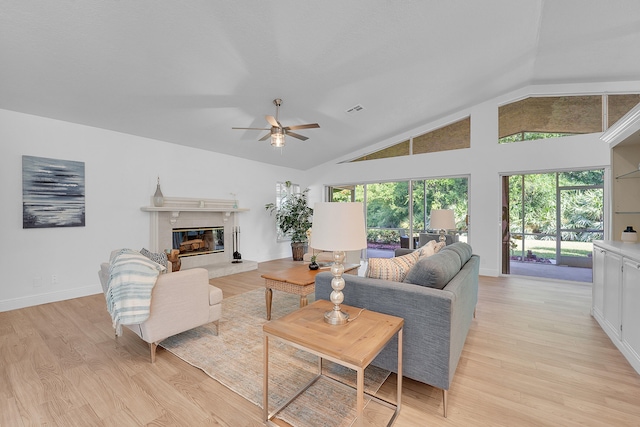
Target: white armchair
point(180, 301)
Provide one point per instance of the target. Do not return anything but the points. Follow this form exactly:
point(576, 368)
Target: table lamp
point(338, 227)
point(443, 220)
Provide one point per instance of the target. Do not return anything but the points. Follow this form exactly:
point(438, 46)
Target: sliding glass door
point(549, 221)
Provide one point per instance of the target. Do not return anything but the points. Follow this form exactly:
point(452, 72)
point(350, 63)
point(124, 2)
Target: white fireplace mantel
point(190, 209)
point(175, 205)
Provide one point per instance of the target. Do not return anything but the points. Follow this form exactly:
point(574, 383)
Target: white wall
point(120, 177)
point(483, 162)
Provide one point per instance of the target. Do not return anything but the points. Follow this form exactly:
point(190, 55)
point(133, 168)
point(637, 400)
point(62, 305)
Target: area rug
point(235, 359)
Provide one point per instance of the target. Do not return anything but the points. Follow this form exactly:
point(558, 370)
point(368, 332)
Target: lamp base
point(336, 317)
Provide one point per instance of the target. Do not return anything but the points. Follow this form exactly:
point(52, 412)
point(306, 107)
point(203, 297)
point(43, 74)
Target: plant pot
point(298, 249)
point(314, 266)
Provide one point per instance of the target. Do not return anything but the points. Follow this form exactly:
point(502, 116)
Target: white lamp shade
point(442, 219)
point(339, 226)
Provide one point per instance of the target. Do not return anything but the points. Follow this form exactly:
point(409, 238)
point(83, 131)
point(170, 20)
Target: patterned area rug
point(235, 359)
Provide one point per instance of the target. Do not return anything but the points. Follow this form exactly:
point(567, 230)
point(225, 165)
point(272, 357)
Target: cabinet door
point(598, 281)
point(630, 302)
point(612, 290)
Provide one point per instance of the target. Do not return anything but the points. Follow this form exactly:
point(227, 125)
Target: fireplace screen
point(198, 241)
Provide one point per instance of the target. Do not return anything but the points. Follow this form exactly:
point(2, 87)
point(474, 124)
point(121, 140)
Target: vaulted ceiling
point(186, 72)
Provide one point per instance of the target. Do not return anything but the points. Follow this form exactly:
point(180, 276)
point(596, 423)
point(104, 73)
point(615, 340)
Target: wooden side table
point(353, 345)
point(298, 280)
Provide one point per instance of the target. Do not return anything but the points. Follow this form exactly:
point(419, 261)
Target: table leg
point(268, 295)
point(399, 381)
point(265, 380)
point(303, 301)
point(360, 396)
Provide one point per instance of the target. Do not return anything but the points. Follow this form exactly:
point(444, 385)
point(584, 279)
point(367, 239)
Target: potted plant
point(313, 265)
point(293, 218)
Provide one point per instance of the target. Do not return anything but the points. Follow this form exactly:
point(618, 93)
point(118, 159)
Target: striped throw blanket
point(131, 280)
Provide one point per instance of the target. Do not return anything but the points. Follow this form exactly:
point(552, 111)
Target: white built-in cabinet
point(631, 297)
point(612, 291)
point(616, 295)
point(616, 265)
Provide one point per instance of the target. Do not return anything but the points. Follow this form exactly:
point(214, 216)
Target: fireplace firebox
point(198, 240)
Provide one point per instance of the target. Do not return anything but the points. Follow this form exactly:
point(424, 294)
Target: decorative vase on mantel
point(158, 198)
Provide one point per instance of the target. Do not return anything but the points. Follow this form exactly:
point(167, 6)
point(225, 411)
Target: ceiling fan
point(277, 132)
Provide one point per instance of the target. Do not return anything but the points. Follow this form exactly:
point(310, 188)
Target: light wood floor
point(534, 357)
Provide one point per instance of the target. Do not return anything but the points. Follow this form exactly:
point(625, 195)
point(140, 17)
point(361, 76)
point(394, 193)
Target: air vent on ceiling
point(355, 109)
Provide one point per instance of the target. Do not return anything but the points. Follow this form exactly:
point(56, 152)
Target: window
point(619, 105)
point(397, 150)
point(549, 117)
point(345, 193)
point(558, 116)
point(399, 209)
point(451, 137)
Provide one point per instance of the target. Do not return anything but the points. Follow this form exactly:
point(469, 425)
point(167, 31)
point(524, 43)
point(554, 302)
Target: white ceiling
point(185, 72)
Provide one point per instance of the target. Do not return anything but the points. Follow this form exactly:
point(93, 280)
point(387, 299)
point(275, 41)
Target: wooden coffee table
point(353, 345)
point(298, 280)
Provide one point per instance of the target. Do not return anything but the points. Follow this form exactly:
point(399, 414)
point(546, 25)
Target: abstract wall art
point(52, 193)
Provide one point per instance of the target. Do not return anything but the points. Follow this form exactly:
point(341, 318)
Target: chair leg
point(444, 402)
point(153, 346)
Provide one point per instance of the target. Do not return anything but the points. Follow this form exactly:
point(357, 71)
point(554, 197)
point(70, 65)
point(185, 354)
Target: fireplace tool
point(237, 258)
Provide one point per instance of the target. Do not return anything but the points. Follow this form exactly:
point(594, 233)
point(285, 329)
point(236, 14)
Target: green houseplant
point(313, 265)
point(293, 218)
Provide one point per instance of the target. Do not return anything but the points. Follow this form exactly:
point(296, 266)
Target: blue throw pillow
point(435, 271)
point(463, 250)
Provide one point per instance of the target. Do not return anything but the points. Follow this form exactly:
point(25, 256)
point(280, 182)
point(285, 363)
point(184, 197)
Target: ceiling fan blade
point(307, 126)
point(264, 138)
point(296, 135)
point(272, 121)
point(253, 128)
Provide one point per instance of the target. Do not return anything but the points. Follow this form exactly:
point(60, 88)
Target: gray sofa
point(436, 320)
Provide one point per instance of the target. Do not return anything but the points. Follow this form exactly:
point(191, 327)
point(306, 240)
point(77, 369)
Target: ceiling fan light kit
point(277, 137)
point(277, 132)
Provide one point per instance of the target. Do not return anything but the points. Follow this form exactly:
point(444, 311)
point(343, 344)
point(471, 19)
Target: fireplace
point(198, 240)
point(207, 223)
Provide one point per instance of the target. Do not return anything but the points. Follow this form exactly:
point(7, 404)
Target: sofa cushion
point(394, 269)
point(159, 258)
point(430, 248)
point(435, 271)
point(463, 250)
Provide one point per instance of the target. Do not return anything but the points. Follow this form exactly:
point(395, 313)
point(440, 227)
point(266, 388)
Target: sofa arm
point(402, 251)
point(179, 301)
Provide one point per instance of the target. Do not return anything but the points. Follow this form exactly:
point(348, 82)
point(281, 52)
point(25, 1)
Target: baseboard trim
point(32, 300)
point(489, 272)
